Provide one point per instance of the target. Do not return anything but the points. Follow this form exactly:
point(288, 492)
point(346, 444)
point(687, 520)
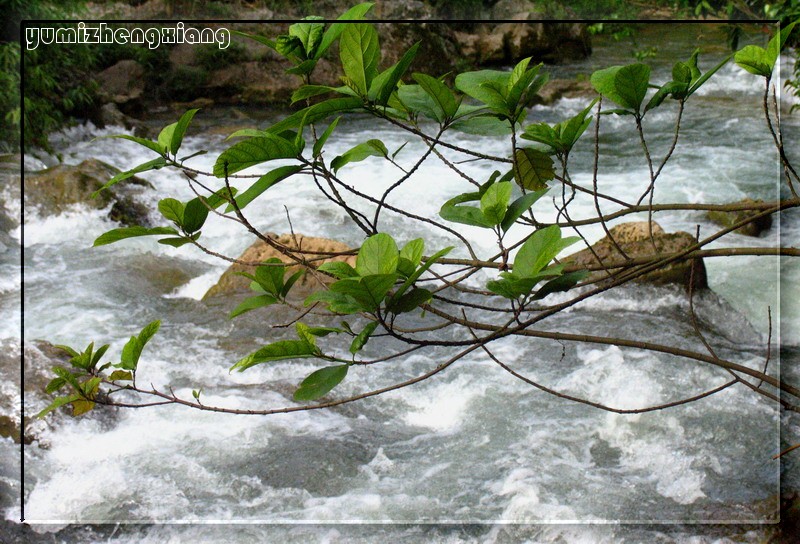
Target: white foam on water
point(197, 287)
point(442, 406)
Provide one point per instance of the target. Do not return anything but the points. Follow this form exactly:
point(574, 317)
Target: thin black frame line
point(22, 276)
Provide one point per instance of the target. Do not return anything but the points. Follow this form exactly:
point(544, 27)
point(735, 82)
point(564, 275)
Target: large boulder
point(230, 282)
point(556, 89)
point(122, 83)
point(507, 43)
point(753, 228)
point(634, 239)
point(54, 190)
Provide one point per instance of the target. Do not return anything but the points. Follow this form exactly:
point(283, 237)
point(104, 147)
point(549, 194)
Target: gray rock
point(53, 190)
point(122, 83)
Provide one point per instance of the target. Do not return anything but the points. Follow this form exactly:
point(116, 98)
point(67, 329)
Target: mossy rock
point(753, 228)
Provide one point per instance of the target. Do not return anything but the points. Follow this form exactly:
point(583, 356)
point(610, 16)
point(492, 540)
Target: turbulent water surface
point(470, 446)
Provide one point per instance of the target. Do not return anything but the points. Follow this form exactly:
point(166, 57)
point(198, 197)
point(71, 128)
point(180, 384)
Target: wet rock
point(53, 190)
point(556, 89)
point(12, 532)
point(635, 241)
point(110, 115)
point(231, 282)
point(754, 228)
point(122, 83)
point(40, 357)
point(507, 43)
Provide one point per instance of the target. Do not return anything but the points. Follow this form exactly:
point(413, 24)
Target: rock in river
point(634, 240)
point(53, 190)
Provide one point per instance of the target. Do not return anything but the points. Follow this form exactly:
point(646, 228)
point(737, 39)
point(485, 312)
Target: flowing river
point(472, 447)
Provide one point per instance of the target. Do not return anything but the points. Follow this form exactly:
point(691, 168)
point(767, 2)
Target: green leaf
point(315, 113)
point(254, 151)
point(133, 348)
point(304, 333)
point(413, 251)
point(116, 235)
point(290, 282)
point(320, 382)
point(54, 385)
point(195, 214)
point(98, 355)
point(775, 45)
point(483, 125)
point(357, 12)
point(337, 302)
point(178, 242)
point(520, 206)
point(494, 202)
point(289, 46)
point(370, 148)
point(171, 209)
point(277, 351)
point(510, 287)
point(538, 250)
point(625, 85)
point(445, 102)
point(270, 276)
point(378, 255)
point(149, 144)
point(165, 137)
point(57, 403)
point(484, 86)
point(755, 60)
point(676, 89)
point(360, 53)
point(416, 100)
point(121, 375)
point(467, 215)
point(324, 331)
point(180, 130)
point(420, 271)
point(304, 68)
point(564, 282)
point(246, 133)
point(263, 183)
point(410, 301)
point(252, 303)
point(308, 91)
point(386, 82)
point(368, 291)
point(363, 337)
point(533, 169)
point(155, 164)
point(309, 34)
point(320, 143)
point(338, 269)
point(68, 349)
point(702, 79)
